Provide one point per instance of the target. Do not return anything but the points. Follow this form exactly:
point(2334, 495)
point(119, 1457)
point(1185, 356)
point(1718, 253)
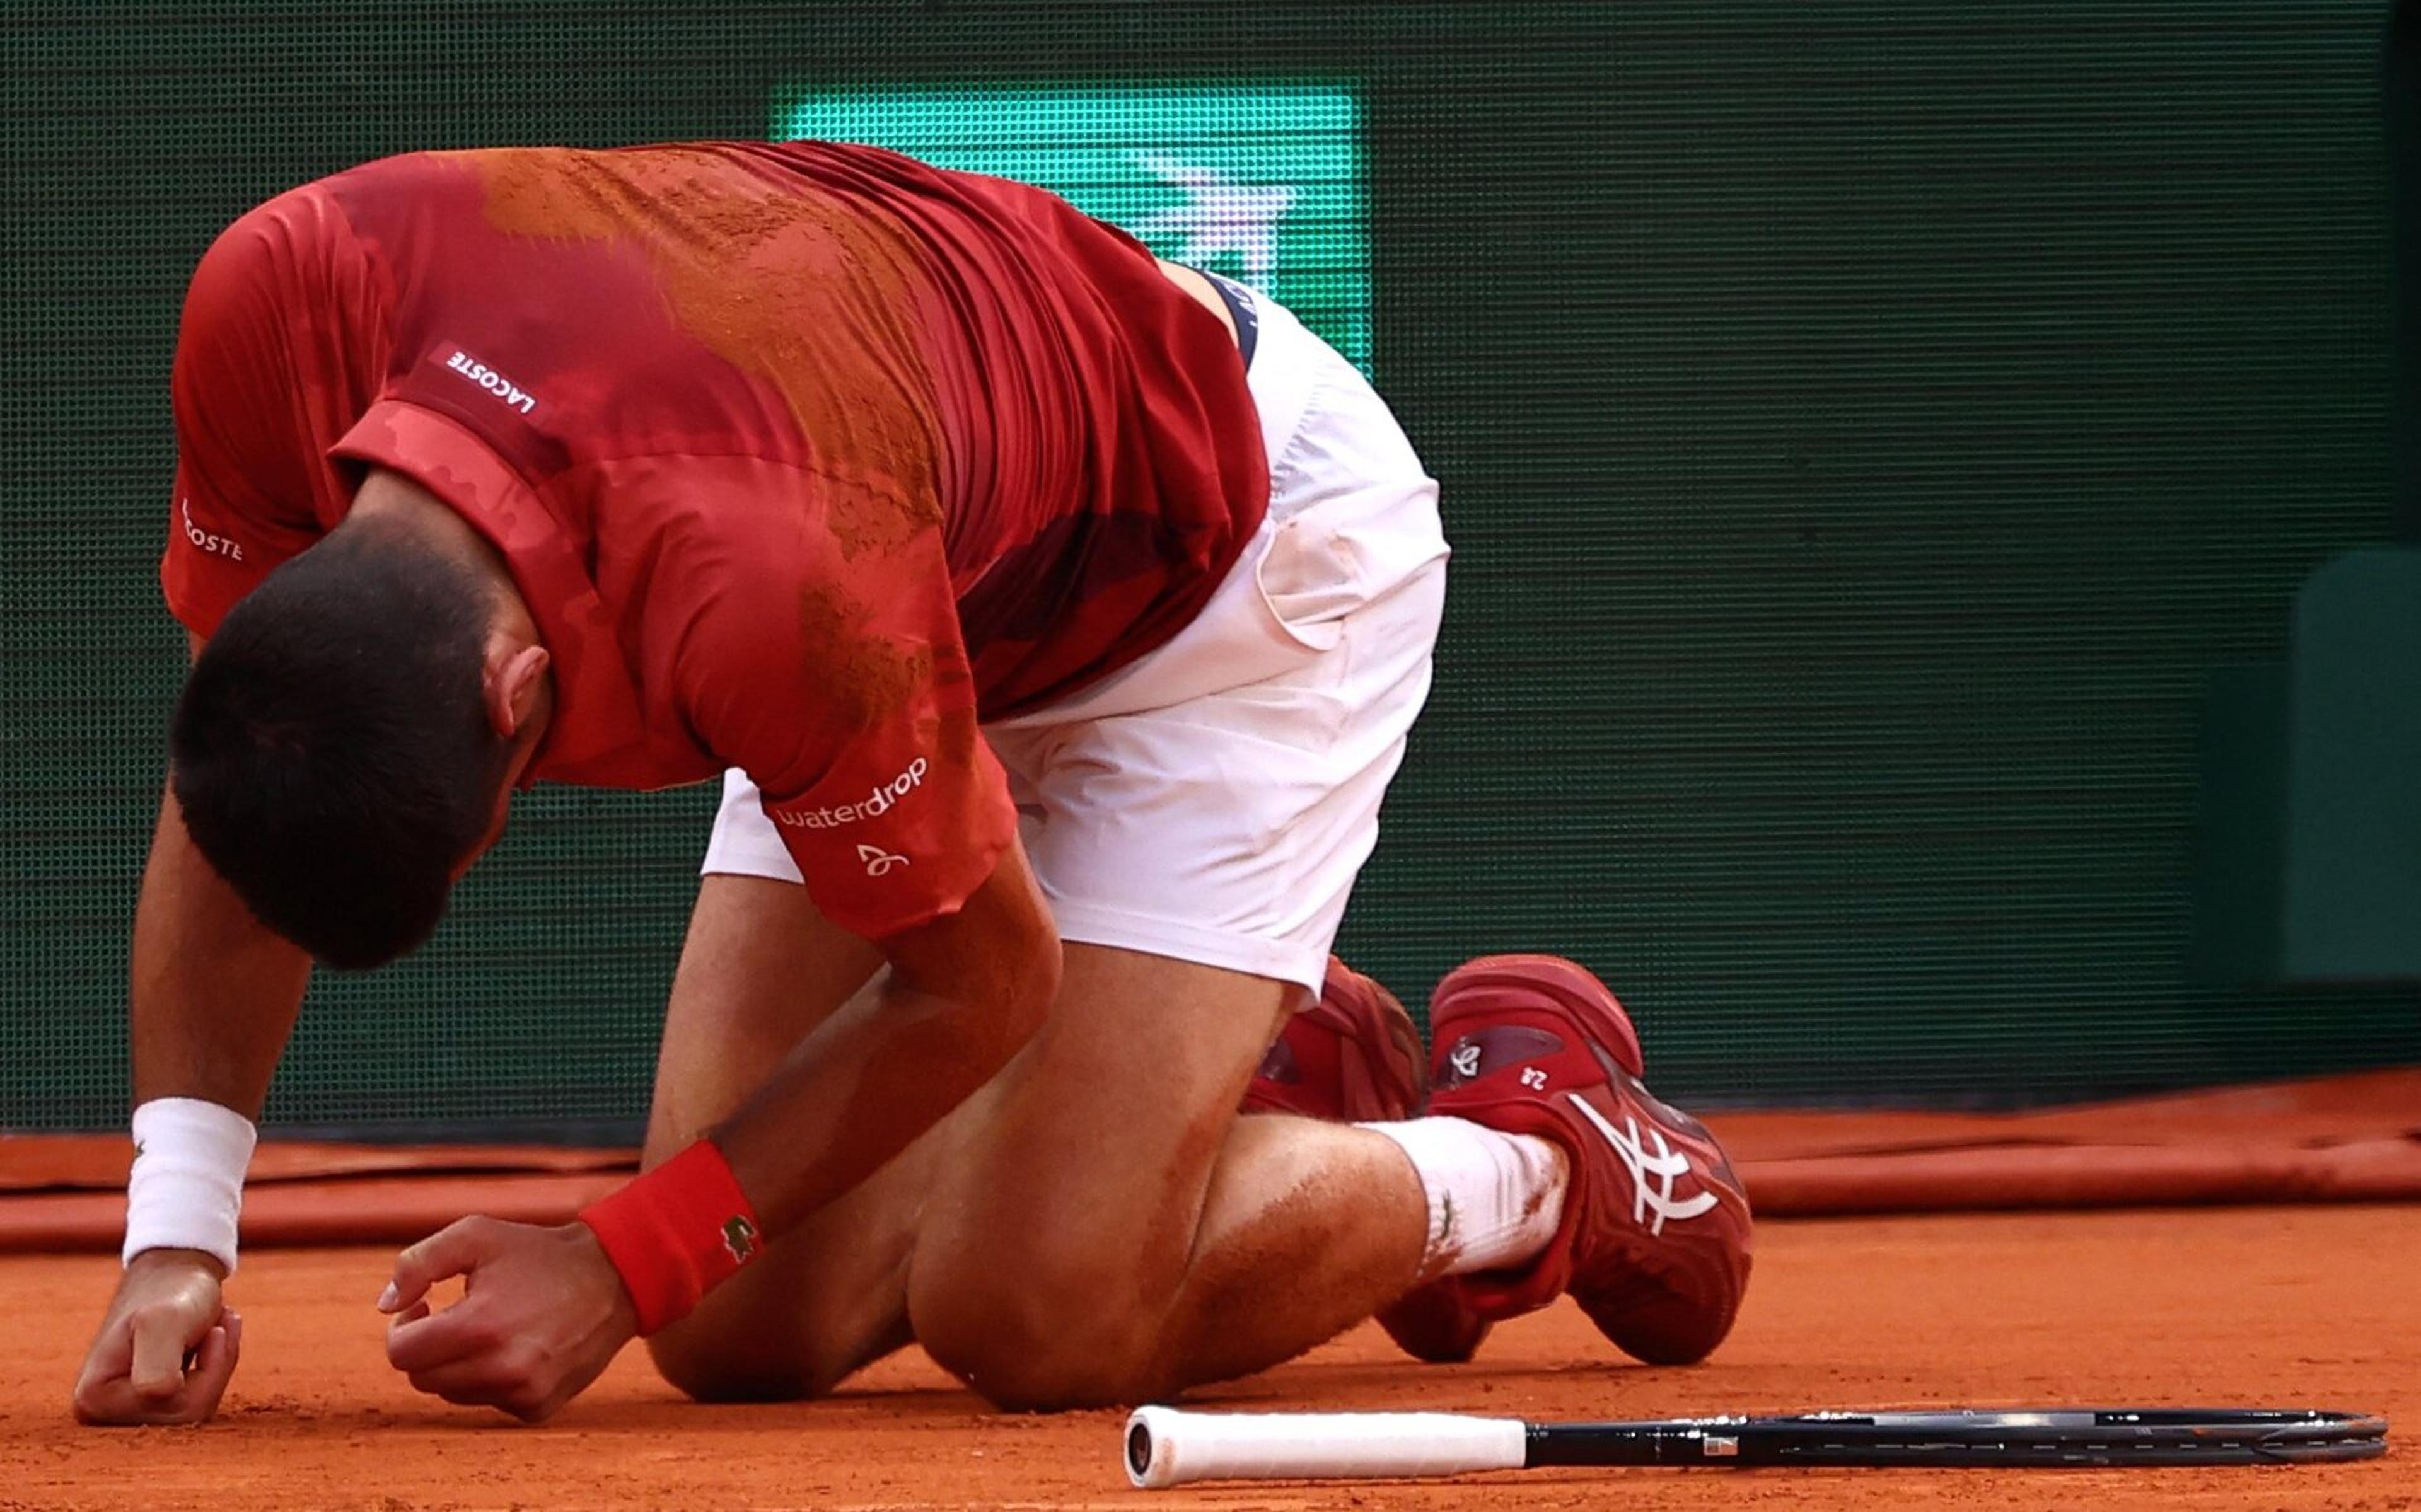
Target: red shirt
point(804, 457)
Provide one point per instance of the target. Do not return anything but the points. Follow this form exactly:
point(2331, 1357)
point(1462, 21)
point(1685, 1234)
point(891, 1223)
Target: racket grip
point(1166, 1447)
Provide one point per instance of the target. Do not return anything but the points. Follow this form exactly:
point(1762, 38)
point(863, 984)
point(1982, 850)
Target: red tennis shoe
point(1355, 1057)
point(1654, 1242)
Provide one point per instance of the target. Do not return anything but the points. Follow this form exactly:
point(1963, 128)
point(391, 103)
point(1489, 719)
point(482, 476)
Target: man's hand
point(543, 1313)
point(165, 1347)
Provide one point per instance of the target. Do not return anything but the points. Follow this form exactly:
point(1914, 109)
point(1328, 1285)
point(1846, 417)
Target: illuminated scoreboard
point(1263, 183)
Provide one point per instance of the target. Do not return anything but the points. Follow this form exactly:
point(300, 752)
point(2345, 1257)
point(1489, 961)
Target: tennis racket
point(1166, 1447)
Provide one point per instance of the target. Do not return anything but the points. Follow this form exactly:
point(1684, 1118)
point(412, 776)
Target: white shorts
point(1213, 801)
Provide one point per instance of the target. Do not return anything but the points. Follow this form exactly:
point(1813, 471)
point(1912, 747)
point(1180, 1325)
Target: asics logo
point(879, 861)
point(1667, 1164)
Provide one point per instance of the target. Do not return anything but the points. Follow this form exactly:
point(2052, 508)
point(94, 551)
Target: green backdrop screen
point(1865, 427)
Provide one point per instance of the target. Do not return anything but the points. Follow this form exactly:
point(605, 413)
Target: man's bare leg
point(1095, 1226)
point(761, 969)
point(1114, 1232)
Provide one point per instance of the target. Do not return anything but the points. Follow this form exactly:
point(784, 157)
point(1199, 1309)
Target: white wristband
point(187, 1185)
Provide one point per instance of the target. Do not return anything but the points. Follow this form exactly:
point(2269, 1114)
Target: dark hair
point(332, 752)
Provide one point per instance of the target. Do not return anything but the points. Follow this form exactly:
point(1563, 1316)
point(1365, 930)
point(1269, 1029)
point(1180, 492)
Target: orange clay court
point(2291, 1282)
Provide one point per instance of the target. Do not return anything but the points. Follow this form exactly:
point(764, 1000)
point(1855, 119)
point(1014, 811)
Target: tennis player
point(1054, 617)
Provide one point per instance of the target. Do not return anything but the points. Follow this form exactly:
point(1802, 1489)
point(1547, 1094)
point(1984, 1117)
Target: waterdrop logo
point(872, 805)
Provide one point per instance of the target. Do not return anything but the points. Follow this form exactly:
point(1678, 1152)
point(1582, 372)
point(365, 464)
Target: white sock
point(1494, 1198)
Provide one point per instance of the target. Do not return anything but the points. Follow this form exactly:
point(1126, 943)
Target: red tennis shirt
point(806, 459)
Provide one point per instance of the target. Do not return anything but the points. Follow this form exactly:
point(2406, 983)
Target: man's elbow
point(1026, 997)
point(986, 1004)
point(993, 966)
point(1012, 927)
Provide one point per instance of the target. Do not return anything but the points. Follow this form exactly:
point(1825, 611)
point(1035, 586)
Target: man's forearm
point(214, 991)
point(873, 1077)
point(963, 994)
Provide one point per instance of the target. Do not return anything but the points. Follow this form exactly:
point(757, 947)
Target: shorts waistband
point(1240, 305)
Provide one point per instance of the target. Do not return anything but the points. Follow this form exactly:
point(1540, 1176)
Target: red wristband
point(675, 1231)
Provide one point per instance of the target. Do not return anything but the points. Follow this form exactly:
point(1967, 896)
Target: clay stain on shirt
point(866, 675)
point(792, 283)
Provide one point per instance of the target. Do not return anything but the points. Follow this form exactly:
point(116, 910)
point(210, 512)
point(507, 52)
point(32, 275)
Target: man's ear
point(510, 683)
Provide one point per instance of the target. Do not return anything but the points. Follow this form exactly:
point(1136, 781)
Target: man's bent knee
point(1031, 1340)
point(740, 1360)
point(1025, 1370)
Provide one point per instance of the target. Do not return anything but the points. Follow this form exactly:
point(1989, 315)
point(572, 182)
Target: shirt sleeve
point(245, 496)
point(839, 683)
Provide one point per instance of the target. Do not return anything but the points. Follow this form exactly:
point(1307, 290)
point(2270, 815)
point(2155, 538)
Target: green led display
point(1262, 183)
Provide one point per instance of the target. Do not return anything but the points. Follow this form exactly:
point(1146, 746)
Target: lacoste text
point(205, 540)
point(493, 382)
